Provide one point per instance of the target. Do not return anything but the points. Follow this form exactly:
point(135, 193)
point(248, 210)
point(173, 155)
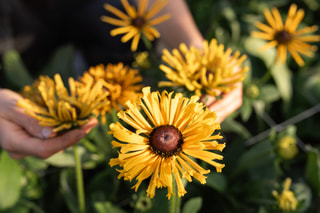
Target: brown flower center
point(283, 37)
point(166, 141)
point(138, 22)
point(78, 110)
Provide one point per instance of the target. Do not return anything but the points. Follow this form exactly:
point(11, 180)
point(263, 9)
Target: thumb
point(12, 112)
point(32, 126)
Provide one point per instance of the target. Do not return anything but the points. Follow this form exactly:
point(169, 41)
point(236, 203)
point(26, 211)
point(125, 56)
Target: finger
point(50, 146)
point(10, 111)
point(229, 103)
point(16, 155)
point(20, 144)
point(32, 125)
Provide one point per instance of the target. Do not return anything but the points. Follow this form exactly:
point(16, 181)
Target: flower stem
point(175, 201)
point(79, 177)
point(265, 77)
point(146, 42)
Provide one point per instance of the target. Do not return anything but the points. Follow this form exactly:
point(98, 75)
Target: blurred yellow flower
point(141, 60)
point(121, 82)
point(286, 200)
point(166, 134)
point(287, 37)
point(210, 70)
point(53, 106)
point(287, 147)
point(136, 21)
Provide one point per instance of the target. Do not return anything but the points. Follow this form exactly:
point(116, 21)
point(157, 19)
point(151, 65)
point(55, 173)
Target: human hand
point(22, 136)
point(229, 103)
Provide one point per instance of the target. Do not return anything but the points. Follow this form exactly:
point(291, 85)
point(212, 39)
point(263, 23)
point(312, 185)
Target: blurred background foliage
point(278, 101)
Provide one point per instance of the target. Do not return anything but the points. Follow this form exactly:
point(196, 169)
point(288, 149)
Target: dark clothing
point(38, 27)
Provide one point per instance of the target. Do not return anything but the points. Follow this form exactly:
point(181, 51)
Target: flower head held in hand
point(210, 70)
point(135, 22)
point(286, 36)
point(49, 101)
point(167, 133)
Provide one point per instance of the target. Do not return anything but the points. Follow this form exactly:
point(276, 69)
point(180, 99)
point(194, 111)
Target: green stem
point(79, 177)
point(178, 205)
point(265, 77)
point(175, 201)
point(114, 115)
point(147, 42)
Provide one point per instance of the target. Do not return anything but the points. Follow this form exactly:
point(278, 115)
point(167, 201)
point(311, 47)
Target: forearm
point(180, 28)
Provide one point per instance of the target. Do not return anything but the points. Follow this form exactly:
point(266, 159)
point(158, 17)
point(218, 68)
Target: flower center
point(283, 37)
point(138, 22)
point(78, 110)
point(166, 141)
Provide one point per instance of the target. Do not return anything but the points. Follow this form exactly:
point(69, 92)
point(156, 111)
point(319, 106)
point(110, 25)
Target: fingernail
point(47, 132)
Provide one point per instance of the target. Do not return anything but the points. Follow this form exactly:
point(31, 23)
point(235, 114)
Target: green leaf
point(107, 207)
point(282, 77)
point(193, 205)
point(102, 182)
point(313, 168)
point(67, 180)
point(100, 137)
point(269, 93)
point(16, 73)
point(33, 163)
point(17, 208)
point(10, 181)
point(261, 154)
point(24, 206)
point(160, 202)
point(259, 107)
point(217, 181)
point(231, 125)
point(66, 158)
point(311, 86)
point(246, 109)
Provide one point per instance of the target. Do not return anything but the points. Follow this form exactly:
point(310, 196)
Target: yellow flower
point(136, 21)
point(32, 93)
point(141, 60)
point(286, 200)
point(59, 109)
point(287, 37)
point(287, 147)
point(122, 83)
point(210, 70)
point(166, 133)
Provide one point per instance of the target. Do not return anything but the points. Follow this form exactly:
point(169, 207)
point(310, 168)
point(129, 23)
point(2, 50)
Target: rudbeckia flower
point(210, 70)
point(120, 81)
point(136, 21)
point(58, 108)
point(32, 93)
point(165, 136)
point(286, 36)
point(286, 200)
